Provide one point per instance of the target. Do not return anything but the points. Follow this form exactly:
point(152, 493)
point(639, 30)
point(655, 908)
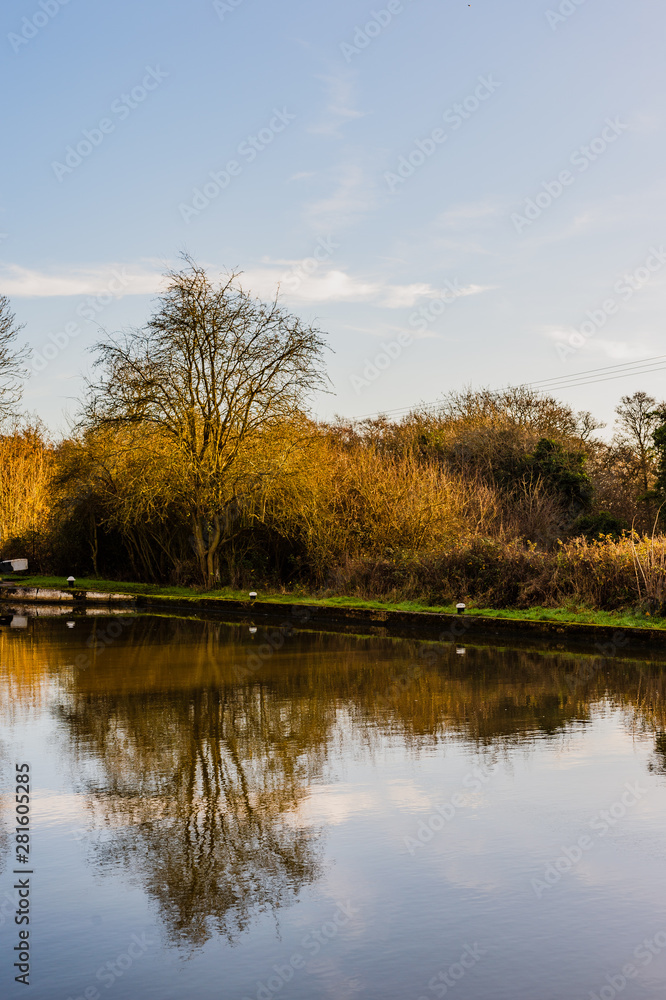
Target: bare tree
point(12, 361)
point(212, 369)
point(636, 422)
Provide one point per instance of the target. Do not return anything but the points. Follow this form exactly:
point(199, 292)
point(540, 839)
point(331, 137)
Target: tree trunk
point(94, 544)
point(206, 543)
point(211, 558)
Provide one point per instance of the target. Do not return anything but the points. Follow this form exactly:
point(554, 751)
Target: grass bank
point(567, 614)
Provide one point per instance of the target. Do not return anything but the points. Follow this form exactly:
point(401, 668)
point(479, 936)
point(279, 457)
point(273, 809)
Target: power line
point(563, 382)
point(589, 371)
point(611, 378)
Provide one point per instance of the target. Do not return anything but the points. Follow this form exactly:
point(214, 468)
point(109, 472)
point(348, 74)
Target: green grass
point(583, 616)
point(102, 586)
point(576, 614)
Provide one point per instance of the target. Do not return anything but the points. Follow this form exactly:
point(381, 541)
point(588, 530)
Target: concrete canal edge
point(605, 640)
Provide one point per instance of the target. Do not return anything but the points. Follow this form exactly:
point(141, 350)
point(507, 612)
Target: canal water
point(219, 811)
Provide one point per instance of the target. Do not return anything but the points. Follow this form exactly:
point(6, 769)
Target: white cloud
point(135, 279)
point(334, 804)
point(335, 285)
point(323, 285)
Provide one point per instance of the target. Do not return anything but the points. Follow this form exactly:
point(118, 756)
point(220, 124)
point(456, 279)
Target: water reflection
point(195, 743)
point(199, 776)
point(658, 763)
point(5, 782)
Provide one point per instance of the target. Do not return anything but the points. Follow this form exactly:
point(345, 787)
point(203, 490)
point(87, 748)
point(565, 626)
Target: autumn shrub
point(485, 571)
point(26, 466)
point(350, 503)
point(605, 574)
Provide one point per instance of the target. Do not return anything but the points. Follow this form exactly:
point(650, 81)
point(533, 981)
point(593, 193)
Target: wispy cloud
point(339, 109)
point(616, 350)
point(336, 285)
point(466, 229)
point(22, 282)
point(353, 196)
point(143, 278)
point(468, 214)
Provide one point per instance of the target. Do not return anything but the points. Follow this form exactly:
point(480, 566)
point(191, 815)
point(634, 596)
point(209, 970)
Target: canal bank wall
point(606, 640)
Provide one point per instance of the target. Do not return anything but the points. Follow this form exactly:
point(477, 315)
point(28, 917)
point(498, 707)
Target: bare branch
point(12, 361)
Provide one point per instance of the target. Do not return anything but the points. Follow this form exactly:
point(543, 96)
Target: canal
point(223, 811)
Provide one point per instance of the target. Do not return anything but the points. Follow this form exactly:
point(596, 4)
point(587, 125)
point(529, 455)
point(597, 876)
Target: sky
point(455, 194)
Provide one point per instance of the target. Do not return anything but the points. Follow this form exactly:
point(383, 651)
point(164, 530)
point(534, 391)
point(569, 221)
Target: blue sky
point(462, 194)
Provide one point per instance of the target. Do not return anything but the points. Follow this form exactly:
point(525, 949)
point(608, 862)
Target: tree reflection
point(658, 763)
point(200, 784)
point(197, 742)
point(4, 830)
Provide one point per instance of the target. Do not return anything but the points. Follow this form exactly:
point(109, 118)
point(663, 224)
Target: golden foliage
point(26, 465)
